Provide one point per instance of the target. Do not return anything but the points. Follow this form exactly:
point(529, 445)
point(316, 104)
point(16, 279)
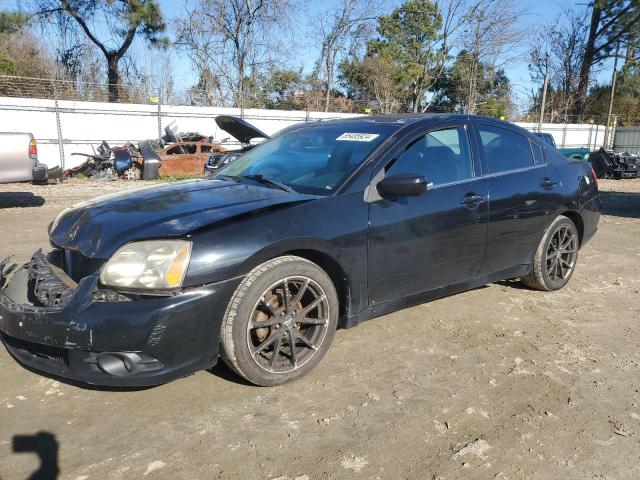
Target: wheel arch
point(316, 252)
point(333, 269)
point(576, 218)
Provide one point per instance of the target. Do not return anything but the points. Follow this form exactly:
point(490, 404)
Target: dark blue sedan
point(325, 225)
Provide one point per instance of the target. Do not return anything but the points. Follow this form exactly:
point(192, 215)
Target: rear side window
point(442, 156)
point(537, 153)
point(504, 150)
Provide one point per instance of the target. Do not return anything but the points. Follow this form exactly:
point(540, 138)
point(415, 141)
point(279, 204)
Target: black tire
point(260, 300)
point(551, 268)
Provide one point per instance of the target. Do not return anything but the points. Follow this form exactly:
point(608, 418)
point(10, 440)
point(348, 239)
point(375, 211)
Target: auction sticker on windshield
point(358, 137)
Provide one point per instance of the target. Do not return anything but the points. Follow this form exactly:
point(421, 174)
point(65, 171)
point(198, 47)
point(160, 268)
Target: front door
point(416, 244)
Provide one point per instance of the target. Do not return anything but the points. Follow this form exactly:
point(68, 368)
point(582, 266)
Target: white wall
point(85, 124)
point(571, 135)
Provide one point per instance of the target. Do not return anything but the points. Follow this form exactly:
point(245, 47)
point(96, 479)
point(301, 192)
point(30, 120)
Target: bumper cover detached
point(79, 332)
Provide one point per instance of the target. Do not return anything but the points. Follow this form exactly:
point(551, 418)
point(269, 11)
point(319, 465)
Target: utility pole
point(614, 77)
point(544, 100)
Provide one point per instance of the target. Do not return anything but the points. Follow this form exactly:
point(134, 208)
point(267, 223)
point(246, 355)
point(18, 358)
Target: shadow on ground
point(20, 200)
point(45, 446)
point(621, 204)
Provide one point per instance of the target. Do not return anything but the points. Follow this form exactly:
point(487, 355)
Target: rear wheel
point(280, 321)
point(556, 256)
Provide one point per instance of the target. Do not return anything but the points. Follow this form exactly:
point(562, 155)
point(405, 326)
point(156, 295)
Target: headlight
point(151, 265)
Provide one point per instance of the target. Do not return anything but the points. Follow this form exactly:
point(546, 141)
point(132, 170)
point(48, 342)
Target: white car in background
point(19, 159)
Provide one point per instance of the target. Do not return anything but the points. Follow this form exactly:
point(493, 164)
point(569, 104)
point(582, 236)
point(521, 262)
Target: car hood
point(239, 129)
point(99, 227)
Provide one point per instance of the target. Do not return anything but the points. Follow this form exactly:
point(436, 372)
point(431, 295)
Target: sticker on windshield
point(358, 137)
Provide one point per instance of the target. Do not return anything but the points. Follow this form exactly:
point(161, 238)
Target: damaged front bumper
point(80, 332)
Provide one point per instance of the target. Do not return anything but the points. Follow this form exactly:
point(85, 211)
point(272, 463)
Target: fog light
point(120, 364)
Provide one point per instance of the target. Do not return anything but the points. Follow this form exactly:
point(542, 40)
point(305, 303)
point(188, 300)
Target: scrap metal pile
point(180, 154)
point(170, 155)
point(616, 165)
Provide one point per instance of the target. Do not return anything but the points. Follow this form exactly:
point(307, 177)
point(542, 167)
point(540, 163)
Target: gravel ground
point(497, 383)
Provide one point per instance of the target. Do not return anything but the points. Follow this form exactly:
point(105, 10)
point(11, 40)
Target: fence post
point(612, 134)
point(159, 119)
point(58, 126)
point(564, 134)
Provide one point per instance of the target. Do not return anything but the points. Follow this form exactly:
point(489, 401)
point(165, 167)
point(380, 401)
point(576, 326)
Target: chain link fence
point(152, 92)
point(70, 117)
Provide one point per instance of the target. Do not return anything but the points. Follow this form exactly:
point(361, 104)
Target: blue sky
point(533, 14)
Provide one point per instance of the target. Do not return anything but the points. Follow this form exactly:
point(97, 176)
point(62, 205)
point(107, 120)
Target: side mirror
point(402, 185)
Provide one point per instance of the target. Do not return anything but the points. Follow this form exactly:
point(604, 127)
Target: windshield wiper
point(269, 181)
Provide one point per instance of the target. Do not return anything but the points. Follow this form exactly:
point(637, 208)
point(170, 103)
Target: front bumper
point(51, 325)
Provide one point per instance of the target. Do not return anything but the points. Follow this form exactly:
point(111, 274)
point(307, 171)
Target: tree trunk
point(113, 77)
point(415, 94)
point(327, 94)
point(587, 61)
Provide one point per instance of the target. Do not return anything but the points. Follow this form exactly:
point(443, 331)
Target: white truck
point(19, 159)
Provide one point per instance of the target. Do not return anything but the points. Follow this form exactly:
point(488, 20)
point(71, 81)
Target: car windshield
point(314, 159)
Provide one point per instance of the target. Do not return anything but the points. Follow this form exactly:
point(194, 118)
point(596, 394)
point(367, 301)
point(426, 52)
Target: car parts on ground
point(110, 163)
point(616, 165)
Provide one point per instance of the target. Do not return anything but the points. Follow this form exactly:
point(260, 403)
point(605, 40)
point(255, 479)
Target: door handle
point(472, 200)
point(547, 183)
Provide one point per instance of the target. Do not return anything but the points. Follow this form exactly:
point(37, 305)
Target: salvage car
point(576, 153)
point(243, 132)
point(328, 224)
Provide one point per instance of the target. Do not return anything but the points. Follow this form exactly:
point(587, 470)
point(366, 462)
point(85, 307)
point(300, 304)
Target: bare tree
point(489, 35)
point(232, 40)
point(338, 30)
point(557, 53)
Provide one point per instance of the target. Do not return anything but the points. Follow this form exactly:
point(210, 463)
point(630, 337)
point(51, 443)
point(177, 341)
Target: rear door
point(422, 243)
point(525, 195)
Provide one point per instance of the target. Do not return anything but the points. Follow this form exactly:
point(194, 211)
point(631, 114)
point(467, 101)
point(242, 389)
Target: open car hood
point(239, 129)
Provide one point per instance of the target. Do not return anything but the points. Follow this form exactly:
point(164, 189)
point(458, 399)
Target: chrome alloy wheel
point(288, 324)
point(561, 254)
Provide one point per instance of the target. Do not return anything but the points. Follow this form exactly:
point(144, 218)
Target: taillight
point(33, 150)
point(595, 178)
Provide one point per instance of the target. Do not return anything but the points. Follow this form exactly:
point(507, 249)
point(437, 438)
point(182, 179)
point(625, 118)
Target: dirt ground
point(496, 383)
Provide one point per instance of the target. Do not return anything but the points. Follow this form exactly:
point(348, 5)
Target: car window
point(314, 159)
point(504, 150)
point(442, 156)
point(188, 148)
point(537, 153)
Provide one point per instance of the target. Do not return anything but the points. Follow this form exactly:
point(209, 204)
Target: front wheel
point(556, 256)
point(280, 321)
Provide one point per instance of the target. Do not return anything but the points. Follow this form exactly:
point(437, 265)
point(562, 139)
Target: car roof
point(405, 119)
